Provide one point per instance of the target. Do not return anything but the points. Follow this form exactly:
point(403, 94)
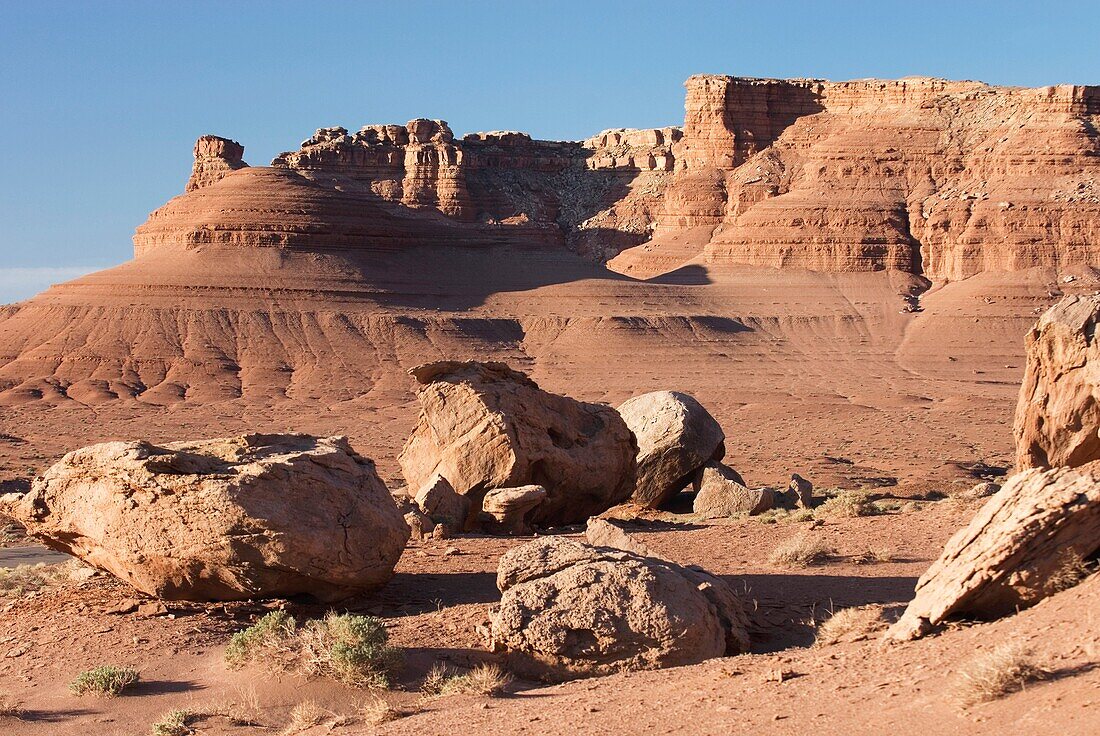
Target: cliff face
point(926, 176)
point(944, 179)
point(319, 261)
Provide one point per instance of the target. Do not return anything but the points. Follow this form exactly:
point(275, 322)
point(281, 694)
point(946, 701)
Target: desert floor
point(830, 378)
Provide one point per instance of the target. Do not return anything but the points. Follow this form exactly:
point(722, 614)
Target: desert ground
point(269, 302)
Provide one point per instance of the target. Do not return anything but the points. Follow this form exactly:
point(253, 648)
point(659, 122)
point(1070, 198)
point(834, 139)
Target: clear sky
point(100, 102)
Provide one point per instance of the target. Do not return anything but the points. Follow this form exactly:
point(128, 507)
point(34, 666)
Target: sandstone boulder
point(484, 426)
point(570, 609)
point(420, 524)
point(224, 519)
point(801, 491)
point(604, 533)
point(1026, 543)
point(439, 501)
point(720, 493)
point(1058, 414)
point(507, 509)
point(676, 436)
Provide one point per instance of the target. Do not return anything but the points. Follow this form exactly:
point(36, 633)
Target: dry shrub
point(874, 554)
point(305, 715)
point(485, 679)
point(173, 723)
point(1071, 571)
point(376, 711)
point(105, 681)
point(847, 505)
point(241, 711)
point(778, 515)
point(18, 581)
point(994, 674)
point(850, 624)
point(801, 551)
point(10, 708)
point(346, 647)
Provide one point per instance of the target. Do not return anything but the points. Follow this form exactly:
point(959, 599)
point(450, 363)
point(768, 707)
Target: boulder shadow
point(32, 715)
point(410, 594)
point(163, 687)
point(784, 609)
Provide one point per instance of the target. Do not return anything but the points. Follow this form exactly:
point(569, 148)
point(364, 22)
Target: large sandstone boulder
point(1026, 543)
point(223, 519)
point(484, 426)
point(570, 609)
point(676, 436)
point(1058, 413)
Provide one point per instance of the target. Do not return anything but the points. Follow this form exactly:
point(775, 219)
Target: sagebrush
point(105, 681)
point(347, 647)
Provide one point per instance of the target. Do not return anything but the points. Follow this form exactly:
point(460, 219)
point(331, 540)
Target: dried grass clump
point(376, 711)
point(105, 681)
point(485, 679)
point(801, 551)
point(243, 711)
point(775, 516)
point(846, 505)
point(173, 723)
point(1072, 570)
point(874, 555)
point(21, 580)
point(1003, 670)
point(10, 708)
point(305, 715)
point(345, 647)
point(850, 624)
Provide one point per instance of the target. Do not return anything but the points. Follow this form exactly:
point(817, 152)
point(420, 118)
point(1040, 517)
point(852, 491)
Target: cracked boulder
point(721, 493)
point(1058, 413)
point(486, 427)
point(1031, 540)
point(225, 519)
point(570, 609)
point(676, 437)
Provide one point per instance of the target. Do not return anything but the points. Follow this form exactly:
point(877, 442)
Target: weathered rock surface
point(676, 436)
point(442, 504)
point(769, 164)
point(721, 493)
point(214, 158)
point(225, 519)
point(603, 533)
point(507, 509)
point(1058, 414)
point(1018, 549)
point(484, 426)
point(801, 491)
point(569, 609)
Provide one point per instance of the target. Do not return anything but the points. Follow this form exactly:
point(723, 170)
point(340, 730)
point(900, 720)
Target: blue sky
point(103, 100)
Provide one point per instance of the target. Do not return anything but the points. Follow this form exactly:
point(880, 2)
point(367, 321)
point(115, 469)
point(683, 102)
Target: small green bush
point(349, 648)
point(105, 682)
point(263, 640)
